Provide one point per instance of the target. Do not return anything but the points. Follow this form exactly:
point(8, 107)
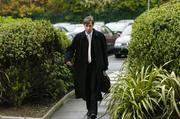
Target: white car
point(130, 21)
point(121, 43)
point(61, 27)
point(117, 27)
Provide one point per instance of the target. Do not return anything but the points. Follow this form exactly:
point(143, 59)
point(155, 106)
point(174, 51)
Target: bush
point(31, 61)
point(149, 94)
point(9, 19)
point(156, 39)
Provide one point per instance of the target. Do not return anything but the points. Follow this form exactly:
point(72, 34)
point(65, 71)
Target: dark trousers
point(92, 106)
point(91, 93)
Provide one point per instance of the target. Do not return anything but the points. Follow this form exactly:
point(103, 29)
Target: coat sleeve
point(105, 56)
point(70, 50)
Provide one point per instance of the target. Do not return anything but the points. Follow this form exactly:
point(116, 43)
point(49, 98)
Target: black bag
point(105, 83)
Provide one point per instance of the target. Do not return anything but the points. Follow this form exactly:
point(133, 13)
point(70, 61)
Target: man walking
point(88, 49)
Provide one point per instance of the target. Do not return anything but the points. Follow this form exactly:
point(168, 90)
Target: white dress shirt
point(89, 37)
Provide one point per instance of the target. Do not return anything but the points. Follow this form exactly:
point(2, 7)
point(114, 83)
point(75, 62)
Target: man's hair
point(88, 19)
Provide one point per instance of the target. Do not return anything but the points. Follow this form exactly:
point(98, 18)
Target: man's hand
point(104, 73)
point(69, 63)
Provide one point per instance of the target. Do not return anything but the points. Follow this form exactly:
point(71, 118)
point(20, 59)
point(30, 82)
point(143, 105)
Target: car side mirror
point(118, 33)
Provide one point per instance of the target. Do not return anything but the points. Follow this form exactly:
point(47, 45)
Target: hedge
point(9, 19)
point(156, 38)
point(31, 61)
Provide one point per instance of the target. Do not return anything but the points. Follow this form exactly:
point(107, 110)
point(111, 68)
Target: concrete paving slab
point(76, 108)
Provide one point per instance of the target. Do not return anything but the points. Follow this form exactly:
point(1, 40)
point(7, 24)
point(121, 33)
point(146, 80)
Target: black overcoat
point(79, 50)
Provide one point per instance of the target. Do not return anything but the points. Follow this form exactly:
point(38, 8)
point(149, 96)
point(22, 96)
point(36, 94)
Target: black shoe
point(88, 114)
point(93, 116)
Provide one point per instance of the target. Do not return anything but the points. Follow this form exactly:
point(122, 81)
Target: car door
point(110, 37)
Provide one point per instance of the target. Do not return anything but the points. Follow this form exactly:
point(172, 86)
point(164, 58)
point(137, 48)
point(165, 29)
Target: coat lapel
point(93, 35)
point(94, 40)
point(84, 35)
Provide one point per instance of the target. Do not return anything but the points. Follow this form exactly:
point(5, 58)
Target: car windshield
point(78, 29)
point(127, 30)
point(71, 27)
point(116, 27)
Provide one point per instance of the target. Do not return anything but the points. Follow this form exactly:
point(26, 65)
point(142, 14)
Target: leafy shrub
point(156, 38)
point(146, 94)
point(9, 19)
point(63, 39)
point(31, 61)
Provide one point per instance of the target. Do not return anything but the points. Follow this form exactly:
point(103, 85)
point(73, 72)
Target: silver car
point(121, 43)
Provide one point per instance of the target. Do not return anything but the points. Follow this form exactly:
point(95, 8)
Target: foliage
point(56, 6)
point(73, 10)
point(129, 4)
point(150, 93)
point(118, 4)
point(9, 19)
point(57, 77)
point(21, 8)
point(156, 39)
point(63, 40)
point(87, 5)
point(15, 89)
point(31, 61)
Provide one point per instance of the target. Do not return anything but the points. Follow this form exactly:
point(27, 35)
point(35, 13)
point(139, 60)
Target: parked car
point(118, 27)
point(62, 24)
point(99, 23)
point(130, 21)
point(121, 43)
point(61, 27)
point(110, 37)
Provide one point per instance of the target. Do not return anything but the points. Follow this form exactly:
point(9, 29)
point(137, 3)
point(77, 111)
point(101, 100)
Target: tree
point(22, 8)
point(71, 9)
point(134, 4)
point(97, 5)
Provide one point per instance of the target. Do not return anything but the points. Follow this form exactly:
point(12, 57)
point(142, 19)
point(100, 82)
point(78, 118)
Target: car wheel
point(118, 55)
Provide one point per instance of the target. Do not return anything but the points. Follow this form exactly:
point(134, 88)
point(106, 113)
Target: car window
point(106, 31)
point(127, 30)
point(117, 26)
point(71, 27)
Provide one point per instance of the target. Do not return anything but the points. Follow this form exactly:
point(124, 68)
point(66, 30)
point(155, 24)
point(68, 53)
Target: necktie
point(89, 47)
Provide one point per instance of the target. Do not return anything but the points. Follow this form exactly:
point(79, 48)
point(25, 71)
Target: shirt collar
point(88, 33)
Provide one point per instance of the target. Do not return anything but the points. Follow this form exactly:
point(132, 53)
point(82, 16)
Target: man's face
point(88, 27)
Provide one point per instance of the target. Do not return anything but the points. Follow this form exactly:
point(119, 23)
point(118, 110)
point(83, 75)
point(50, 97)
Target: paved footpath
point(76, 108)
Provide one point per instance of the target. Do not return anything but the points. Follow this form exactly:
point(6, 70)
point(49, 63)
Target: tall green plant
point(168, 88)
point(150, 93)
